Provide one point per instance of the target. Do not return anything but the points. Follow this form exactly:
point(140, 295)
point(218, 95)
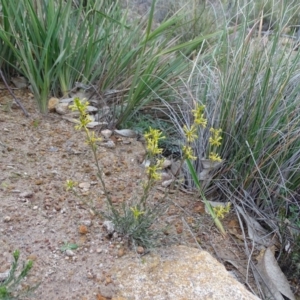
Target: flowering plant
point(191, 134)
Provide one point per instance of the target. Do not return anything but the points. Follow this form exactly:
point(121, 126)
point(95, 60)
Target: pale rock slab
point(178, 272)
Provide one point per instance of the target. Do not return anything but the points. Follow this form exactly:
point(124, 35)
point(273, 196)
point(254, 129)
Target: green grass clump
point(57, 43)
point(8, 288)
point(249, 83)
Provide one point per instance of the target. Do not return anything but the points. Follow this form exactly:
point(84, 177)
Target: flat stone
point(177, 272)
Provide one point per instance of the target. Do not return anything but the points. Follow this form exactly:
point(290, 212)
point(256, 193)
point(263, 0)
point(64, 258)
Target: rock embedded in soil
point(7, 219)
point(177, 272)
point(62, 108)
point(109, 226)
point(4, 275)
point(87, 223)
point(26, 194)
point(70, 253)
point(126, 133)
point(106, 133)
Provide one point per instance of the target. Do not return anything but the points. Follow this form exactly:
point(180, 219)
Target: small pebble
point(106, 133)
point(83, 229)
point(90, 275)
point(140, 250)
point(99, 250)
point(70, 253)
point(109, 144)
point(121, 252)
point(87, 223)
point(35, 207)
point(32, 257)
point(7, 219)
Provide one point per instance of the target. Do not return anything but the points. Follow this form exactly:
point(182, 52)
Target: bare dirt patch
point(38, 216)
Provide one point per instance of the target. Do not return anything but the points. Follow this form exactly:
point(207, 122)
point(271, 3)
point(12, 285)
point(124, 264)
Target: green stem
point(216, 220)
point(99, 175)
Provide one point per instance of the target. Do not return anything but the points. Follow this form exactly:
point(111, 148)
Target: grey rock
point(4, 276)
point(178, 272)
point(26, 194)
point(70, 253)
point(109, 226)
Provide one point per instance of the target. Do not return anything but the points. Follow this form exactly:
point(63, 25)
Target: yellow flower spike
point(214, 157)
point(81, 107)
point(188, 153)
point(152, 147)
point(153, 134)
point(190, 133)
point(198, 114)
point(152, 171)
point(152, 138)
point(136, 212)
point(198, 111)
point(201, 121)
point(92, 139)
point(84, 119)
point(215, 139)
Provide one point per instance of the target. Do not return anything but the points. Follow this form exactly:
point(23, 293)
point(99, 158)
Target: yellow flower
point(84, 119)
point(198, 111)
point(79, 105)
point(188, 152)
point(190, 133)
point(221, 210)
point(152, 147)
point(153, 134)
point(215, 139)
point(136, 212)
point(152, 171)
point(201, 121)
point(214, 157)
point(91, 139)
point(152, 138)
point(198, 114)
point(70, 184)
